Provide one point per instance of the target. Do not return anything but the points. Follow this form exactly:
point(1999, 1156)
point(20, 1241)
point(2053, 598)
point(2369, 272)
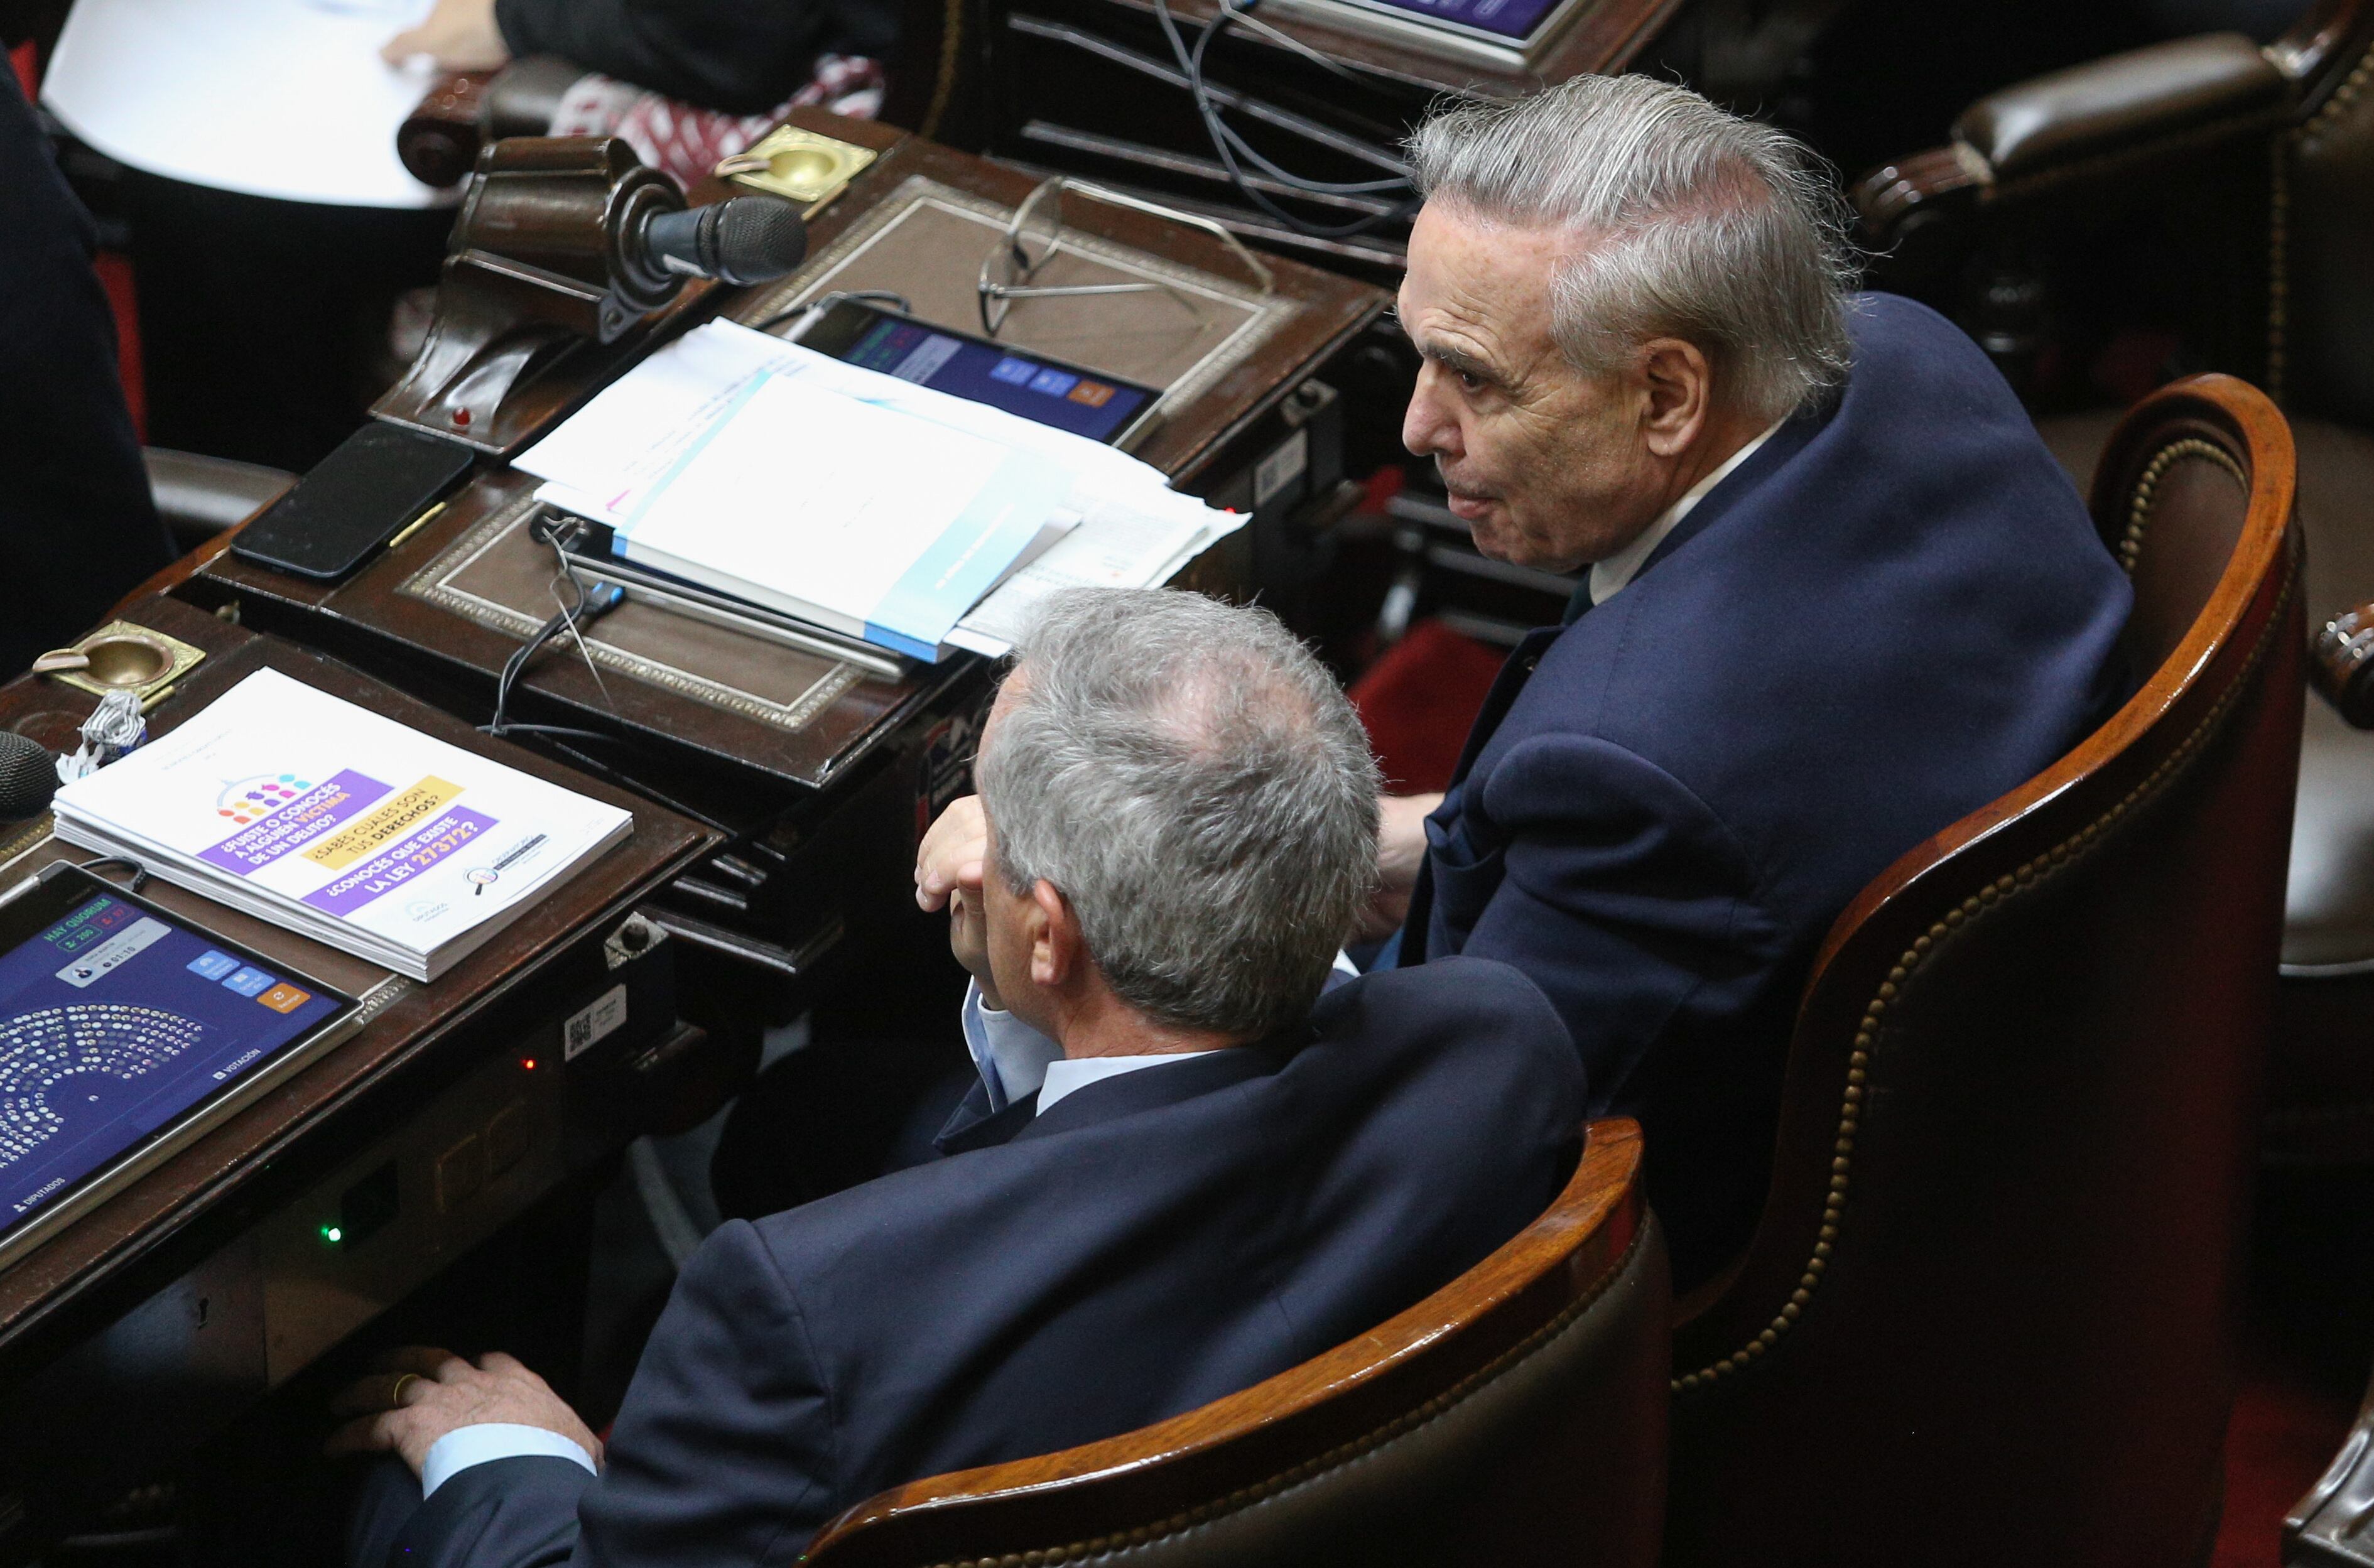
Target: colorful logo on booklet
point(375, 836)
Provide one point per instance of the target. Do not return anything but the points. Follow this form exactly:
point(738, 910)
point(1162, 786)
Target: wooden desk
point(146, 1324)
point(818, 773)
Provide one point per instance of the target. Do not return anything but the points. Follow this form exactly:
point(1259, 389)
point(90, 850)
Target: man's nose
point(1427, 427)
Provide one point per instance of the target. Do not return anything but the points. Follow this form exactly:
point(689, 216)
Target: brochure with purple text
point(338, 823)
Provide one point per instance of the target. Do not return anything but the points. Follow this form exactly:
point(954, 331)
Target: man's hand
point(968, 940)
point(1400, 850)
point(460, 35)
point(952, 853)
point(424, 1394)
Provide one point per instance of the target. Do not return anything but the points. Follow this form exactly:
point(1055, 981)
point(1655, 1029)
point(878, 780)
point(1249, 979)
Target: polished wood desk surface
point(411, 1020)
point(686, 682)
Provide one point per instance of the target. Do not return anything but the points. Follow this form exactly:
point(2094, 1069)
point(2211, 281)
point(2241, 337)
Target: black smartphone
point(1050, 392)
point(376, 484)
point(126, 1031)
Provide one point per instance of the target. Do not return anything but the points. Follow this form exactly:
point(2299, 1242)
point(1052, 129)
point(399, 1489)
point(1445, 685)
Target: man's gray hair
point(1194, 781)
point(1694, 224)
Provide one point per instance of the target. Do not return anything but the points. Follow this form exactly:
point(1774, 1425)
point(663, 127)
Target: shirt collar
point(1609, 577)
point(1067, 1073)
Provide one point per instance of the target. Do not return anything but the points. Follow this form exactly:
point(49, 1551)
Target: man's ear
point(1054, 931)
point(1678, 384)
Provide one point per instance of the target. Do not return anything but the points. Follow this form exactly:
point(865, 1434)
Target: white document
point(891, 530)
point(285, 98)
point(1116, 546)
point(348, 828)
point(645, 447)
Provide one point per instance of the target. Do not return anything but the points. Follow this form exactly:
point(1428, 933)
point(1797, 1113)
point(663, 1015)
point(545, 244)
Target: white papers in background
point(286, 99)
point(606, 460)
point(338, 823)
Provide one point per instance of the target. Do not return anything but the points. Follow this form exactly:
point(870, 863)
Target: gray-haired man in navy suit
point(1183, 1170)
point(1837, 596)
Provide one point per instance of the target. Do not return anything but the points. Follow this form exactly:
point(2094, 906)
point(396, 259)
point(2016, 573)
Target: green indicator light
point(332, 1233)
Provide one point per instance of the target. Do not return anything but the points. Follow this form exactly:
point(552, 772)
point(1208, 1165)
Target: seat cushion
point(2329, 919)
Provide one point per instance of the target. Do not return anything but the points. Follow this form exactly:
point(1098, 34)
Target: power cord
point(139, 873)
point(1234, 151)
point(590, 603)
point(817, 306)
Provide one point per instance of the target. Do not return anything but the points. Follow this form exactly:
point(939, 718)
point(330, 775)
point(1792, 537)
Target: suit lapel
point(975, 1126)
point(1506, 687)
point(1786, 443)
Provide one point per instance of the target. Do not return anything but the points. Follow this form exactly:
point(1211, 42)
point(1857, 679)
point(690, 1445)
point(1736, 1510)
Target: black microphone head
point(29, 777)
point(758, 238)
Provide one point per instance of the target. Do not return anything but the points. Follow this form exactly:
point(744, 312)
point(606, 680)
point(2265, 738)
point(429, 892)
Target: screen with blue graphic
point(1505, 18)
point(1086, 404)
point(116, 1021)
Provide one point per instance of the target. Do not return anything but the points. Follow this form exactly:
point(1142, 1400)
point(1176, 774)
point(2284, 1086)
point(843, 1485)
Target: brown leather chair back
point(1988, 1316)
point(2239, 178)
point(2322, 314)
point(1514, 1417)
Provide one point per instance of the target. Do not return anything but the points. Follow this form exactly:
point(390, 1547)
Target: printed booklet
point(339, 824)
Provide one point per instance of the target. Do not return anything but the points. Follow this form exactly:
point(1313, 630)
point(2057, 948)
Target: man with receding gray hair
point(1183, 1169)
point(1835, 595)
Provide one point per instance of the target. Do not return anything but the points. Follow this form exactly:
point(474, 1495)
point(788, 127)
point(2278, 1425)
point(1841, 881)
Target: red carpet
point(1417, 701)
point(2284, 1430)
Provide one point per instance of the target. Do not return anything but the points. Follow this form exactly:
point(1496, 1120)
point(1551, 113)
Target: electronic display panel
point(120, 1026)
point(1046, 391)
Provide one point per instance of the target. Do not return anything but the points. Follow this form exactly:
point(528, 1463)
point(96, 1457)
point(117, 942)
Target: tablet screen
point(1099, 407)
point(116, 1021)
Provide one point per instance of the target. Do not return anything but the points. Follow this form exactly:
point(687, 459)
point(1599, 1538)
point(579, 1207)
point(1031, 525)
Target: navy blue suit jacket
point(1894, 611)
point(1157, 1240)
point(76, 527)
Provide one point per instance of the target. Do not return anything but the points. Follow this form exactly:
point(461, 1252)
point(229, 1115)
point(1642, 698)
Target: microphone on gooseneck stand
point(738, 240)
point(29, 777)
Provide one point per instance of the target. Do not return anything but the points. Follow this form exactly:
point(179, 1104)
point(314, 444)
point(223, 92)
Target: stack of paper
point(864, 504)
point(338, 823)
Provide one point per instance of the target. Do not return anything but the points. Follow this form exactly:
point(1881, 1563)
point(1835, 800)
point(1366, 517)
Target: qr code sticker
point(594, 1022)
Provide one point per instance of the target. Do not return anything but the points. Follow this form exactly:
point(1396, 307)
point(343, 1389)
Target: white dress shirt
point(1014, 1060)
point(491, 1440)
point(1609, 577)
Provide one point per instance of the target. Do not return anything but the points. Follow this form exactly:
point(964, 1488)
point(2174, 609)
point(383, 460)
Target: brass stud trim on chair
point(2279, 177)
point(2131, 544)
point(1127, 1537)
point(2033, 875)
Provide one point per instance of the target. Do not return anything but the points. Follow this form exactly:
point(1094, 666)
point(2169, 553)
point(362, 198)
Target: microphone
point(29, 777)
point(740, 239)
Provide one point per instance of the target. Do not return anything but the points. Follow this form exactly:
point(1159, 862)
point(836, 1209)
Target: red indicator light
point(528, 1062)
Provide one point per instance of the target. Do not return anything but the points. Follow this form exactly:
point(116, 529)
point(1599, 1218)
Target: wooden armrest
point(2123, 103)
point(2341, 665)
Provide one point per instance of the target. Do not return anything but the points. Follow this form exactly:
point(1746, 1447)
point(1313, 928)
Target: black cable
point(897, 303)
point(1228, 143)
point(593, 603)
point(139, 873)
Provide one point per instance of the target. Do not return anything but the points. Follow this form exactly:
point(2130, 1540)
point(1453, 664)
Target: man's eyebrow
point(1459, 362)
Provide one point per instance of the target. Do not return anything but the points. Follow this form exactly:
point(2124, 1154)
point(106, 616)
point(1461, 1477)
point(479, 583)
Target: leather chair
point(2257, 167)
point(1989, 1315)
point(1515, 1417)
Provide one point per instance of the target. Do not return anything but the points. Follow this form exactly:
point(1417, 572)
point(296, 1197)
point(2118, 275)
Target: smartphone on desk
point(373, 486)
point(1047, 391)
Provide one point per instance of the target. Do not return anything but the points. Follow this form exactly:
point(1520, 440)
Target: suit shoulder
point(1470, 996)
